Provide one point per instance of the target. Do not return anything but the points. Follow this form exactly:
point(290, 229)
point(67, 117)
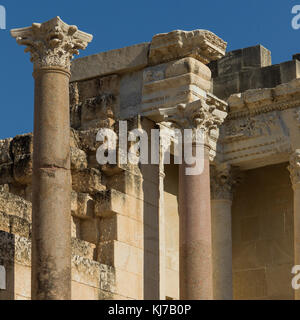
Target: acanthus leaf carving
point(53, 43)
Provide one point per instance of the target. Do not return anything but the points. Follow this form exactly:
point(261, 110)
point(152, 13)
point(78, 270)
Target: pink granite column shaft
point(196, 282)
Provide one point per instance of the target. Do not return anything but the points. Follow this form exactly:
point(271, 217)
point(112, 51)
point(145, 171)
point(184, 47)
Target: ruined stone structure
point(151, 231)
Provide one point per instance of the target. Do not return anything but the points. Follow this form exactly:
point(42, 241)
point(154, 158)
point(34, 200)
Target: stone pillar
point(176, 89)
point(52, 46)
point(195, 234)
point(294, 169)
point(196, 271)
point(221, 203)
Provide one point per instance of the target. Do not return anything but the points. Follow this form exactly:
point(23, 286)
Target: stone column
point(195, 233)
point(221, 203)
point(294, 169)
point(52, 46)
point(196, 270)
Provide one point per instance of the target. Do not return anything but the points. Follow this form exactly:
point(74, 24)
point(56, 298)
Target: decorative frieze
point(53, 43)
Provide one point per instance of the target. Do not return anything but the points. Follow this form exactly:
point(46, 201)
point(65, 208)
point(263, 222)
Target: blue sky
point(119, 23)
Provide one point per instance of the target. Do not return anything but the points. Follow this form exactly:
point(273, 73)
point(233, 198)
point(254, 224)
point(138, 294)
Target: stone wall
point(263, 235)
point(250, 68)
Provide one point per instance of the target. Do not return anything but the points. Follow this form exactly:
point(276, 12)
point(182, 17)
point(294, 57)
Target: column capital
point(223, 181)
point(294, 168)
point(52, 43)
point(204, 116)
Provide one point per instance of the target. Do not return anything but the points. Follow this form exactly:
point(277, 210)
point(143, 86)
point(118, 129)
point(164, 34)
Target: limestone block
point(14, 205)
point(109, 85)
point(122, 287)
point(15, 249)
point(256, 97)
point(74, 205)
point(87, 181)
point(242, 59)
point(78, 159)
point(83, 249)
point(289, 70)
point(181, 81)
point(4, 222)
point(131, 85)
point(111, 202)
point(23, 169)
point(287, 89)
point(122, 229)
point(127, 183)
point(84, 292)
point(236, 102)
point(5, 151)
point(226, 85)
point(86, 206)
point(20, 227)
point(22, 145)
point(121, 256)
point(6, 173)
point(87, 140)
point(110, 62)
point(92, 273)
point(90, 230)
point(200, 44)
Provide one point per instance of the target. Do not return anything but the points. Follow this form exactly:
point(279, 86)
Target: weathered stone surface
point(5, 156)
point(180, 81)
point(6, 173)
point(78, 159)
point(200, 44)
point(14, 205)
point(110, 202)
point(84, 208)
point(87, 181)
point(110, 62)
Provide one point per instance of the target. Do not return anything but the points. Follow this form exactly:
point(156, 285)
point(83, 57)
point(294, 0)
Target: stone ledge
point(114, 61)
point(263, 100)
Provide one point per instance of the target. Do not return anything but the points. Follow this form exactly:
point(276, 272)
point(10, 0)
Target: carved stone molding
point(52, 43)
point(197, 115)
point(202, 45)
point(224, 179)
point(294, 168)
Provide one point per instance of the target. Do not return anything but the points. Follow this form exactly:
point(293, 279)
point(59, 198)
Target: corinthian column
point(221, 195)
point(52, 45)
point(195, 233)
point(294, 169)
